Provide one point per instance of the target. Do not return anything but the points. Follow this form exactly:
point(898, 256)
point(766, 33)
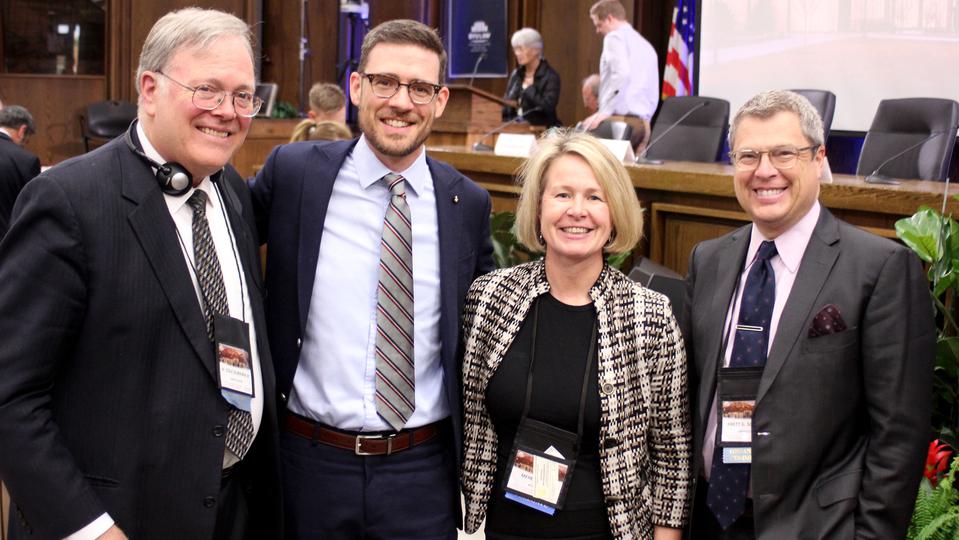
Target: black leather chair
point(902, 123)
point(825, 102)
point(105, 120)
point(611, 129)
point(698, 137)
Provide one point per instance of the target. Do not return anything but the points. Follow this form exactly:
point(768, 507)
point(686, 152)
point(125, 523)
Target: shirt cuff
point(93, 531)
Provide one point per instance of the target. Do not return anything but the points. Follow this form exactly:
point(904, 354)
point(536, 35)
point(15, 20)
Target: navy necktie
point(728, 482)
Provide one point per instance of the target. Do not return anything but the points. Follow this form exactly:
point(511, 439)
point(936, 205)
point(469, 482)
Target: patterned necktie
point(239, 431)
point(395, 376)
point(728, 482)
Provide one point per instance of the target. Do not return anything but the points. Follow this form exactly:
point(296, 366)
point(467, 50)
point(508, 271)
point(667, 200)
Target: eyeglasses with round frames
point(386, 86)
point(781, 157)
point(208, 98)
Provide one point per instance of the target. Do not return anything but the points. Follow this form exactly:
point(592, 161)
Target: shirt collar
point(174, 203)
point(371, 169)
point(790, 245)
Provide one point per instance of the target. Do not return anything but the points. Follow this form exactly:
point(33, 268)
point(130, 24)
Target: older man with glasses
point(137, 397)
point(811, 345)
point(373, 245)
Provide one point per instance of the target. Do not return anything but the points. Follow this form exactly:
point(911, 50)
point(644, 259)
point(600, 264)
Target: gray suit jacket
point(845, 416)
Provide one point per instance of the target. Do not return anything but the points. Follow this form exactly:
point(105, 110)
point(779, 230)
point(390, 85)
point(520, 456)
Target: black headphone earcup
point(174, 179)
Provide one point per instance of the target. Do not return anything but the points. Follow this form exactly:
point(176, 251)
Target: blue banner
point(478, 44)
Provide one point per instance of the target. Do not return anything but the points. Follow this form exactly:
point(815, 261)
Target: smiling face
point(574, 218)
point(395, 127)
point(774, 199)
point(202, 141)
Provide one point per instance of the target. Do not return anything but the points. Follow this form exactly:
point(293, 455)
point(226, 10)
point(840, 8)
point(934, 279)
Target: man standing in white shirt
point(628, 68)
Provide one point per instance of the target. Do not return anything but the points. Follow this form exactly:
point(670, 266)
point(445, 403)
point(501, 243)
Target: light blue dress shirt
point(334, 381)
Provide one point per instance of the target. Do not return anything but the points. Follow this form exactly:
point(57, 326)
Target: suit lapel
point(728, 266)
point(153, 226)
point(241, 231)
point(449, 224)
point(814, 270)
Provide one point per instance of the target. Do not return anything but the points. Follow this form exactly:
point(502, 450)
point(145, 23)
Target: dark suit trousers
point(705, 527)
point(232, 511)
point(333, 494)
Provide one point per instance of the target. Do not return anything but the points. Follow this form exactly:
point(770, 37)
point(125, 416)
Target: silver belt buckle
point(360, 438)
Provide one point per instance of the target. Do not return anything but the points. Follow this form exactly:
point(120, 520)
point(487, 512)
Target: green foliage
point(935, 239)
point(936, 516)
point(285, 109)
point(508, 251)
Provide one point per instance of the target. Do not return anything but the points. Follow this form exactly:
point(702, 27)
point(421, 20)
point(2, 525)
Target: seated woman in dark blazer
point(533, 84)
point(576, 412)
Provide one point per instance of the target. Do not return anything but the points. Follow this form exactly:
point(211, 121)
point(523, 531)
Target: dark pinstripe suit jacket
point(108, 395)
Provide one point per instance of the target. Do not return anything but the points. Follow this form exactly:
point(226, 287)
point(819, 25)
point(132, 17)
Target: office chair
point(612, 129)
point(698, 137)
point(928, 123)
point(105, 120)
point(825, 103)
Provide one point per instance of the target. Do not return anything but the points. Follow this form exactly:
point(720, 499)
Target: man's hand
point(593, 121)
point(113, 533)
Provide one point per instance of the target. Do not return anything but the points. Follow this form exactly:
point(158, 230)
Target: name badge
point(541, 466)
point(234, 362)
point(737, 403)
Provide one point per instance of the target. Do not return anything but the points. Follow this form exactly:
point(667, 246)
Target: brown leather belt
point(358, 443)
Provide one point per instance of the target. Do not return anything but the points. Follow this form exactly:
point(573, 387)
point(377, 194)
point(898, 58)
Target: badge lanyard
point(543, 457)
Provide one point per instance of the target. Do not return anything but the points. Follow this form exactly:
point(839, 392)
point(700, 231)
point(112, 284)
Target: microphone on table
point(641, 158)
point(476, 67)
point(876, 178)
point(479, 146)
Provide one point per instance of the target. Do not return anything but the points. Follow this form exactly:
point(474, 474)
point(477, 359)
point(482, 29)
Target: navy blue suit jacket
point(290, 197)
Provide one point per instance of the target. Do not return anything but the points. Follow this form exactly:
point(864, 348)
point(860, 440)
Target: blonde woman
point(576, 413)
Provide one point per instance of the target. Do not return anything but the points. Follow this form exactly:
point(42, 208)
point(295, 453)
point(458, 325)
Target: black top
point(543, 93)
point(562, 345)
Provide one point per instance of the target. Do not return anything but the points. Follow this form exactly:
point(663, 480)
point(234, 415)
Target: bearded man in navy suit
point(348, 472)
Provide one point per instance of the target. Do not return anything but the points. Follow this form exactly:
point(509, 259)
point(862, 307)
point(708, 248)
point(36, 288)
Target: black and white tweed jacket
point(645, 444)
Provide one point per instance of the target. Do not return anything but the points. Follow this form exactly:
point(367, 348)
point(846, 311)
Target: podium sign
point(477, 38)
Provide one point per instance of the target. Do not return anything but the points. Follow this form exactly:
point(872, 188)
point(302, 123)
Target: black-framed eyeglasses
point(781, 157)
point(207, 97)
point(386, 86)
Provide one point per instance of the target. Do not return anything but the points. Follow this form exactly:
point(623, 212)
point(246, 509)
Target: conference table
point(686, 203)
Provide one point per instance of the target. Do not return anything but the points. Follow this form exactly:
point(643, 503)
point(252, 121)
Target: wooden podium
point(470, 113)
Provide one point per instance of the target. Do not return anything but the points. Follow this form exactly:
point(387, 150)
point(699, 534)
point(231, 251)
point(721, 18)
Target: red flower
point(937, 460)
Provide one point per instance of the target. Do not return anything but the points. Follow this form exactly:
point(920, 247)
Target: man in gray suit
point(811, 344)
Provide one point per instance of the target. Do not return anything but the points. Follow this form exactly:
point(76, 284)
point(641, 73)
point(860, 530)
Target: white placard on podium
point(621, 149)
point(514, 144)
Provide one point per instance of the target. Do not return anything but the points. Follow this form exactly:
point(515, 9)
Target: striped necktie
point(395, 376)
point(239, 429)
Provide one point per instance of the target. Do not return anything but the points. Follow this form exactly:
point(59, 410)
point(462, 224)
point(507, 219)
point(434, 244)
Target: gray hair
point(527, 37)
point(14, 116)
point(767, 104)
point(592, 82)
point(193, 28)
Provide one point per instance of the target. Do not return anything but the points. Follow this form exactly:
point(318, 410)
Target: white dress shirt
point(790, 247)
point(628, 74)
point(334, 382)
point(237, 294)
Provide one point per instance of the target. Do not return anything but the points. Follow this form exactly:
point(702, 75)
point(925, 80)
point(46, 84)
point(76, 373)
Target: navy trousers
point(331, 493)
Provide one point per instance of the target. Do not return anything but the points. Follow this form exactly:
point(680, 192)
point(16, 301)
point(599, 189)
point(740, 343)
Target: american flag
point(678, 75)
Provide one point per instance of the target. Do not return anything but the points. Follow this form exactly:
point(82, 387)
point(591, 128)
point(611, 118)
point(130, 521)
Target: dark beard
point(378, 145)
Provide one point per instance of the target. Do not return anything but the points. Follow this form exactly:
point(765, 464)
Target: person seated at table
point(572, 371)
point(534, 85)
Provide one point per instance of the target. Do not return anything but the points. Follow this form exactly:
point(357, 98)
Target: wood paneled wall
point(571, 46)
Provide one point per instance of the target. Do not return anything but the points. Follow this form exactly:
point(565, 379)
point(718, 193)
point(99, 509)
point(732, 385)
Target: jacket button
point(606, 388)
point(218, 431)
point(610, 442)
point(298, 342)
point(209, 502)
point(282, 397)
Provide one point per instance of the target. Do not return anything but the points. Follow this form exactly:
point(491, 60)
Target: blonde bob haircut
point(624, 209)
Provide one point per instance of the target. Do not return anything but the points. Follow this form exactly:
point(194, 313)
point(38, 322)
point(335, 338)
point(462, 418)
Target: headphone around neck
point(172, 177)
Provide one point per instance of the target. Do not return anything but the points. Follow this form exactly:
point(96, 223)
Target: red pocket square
point(827, 321)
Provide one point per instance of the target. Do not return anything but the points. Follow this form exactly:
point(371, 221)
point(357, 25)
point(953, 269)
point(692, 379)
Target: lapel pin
point(456, 199)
